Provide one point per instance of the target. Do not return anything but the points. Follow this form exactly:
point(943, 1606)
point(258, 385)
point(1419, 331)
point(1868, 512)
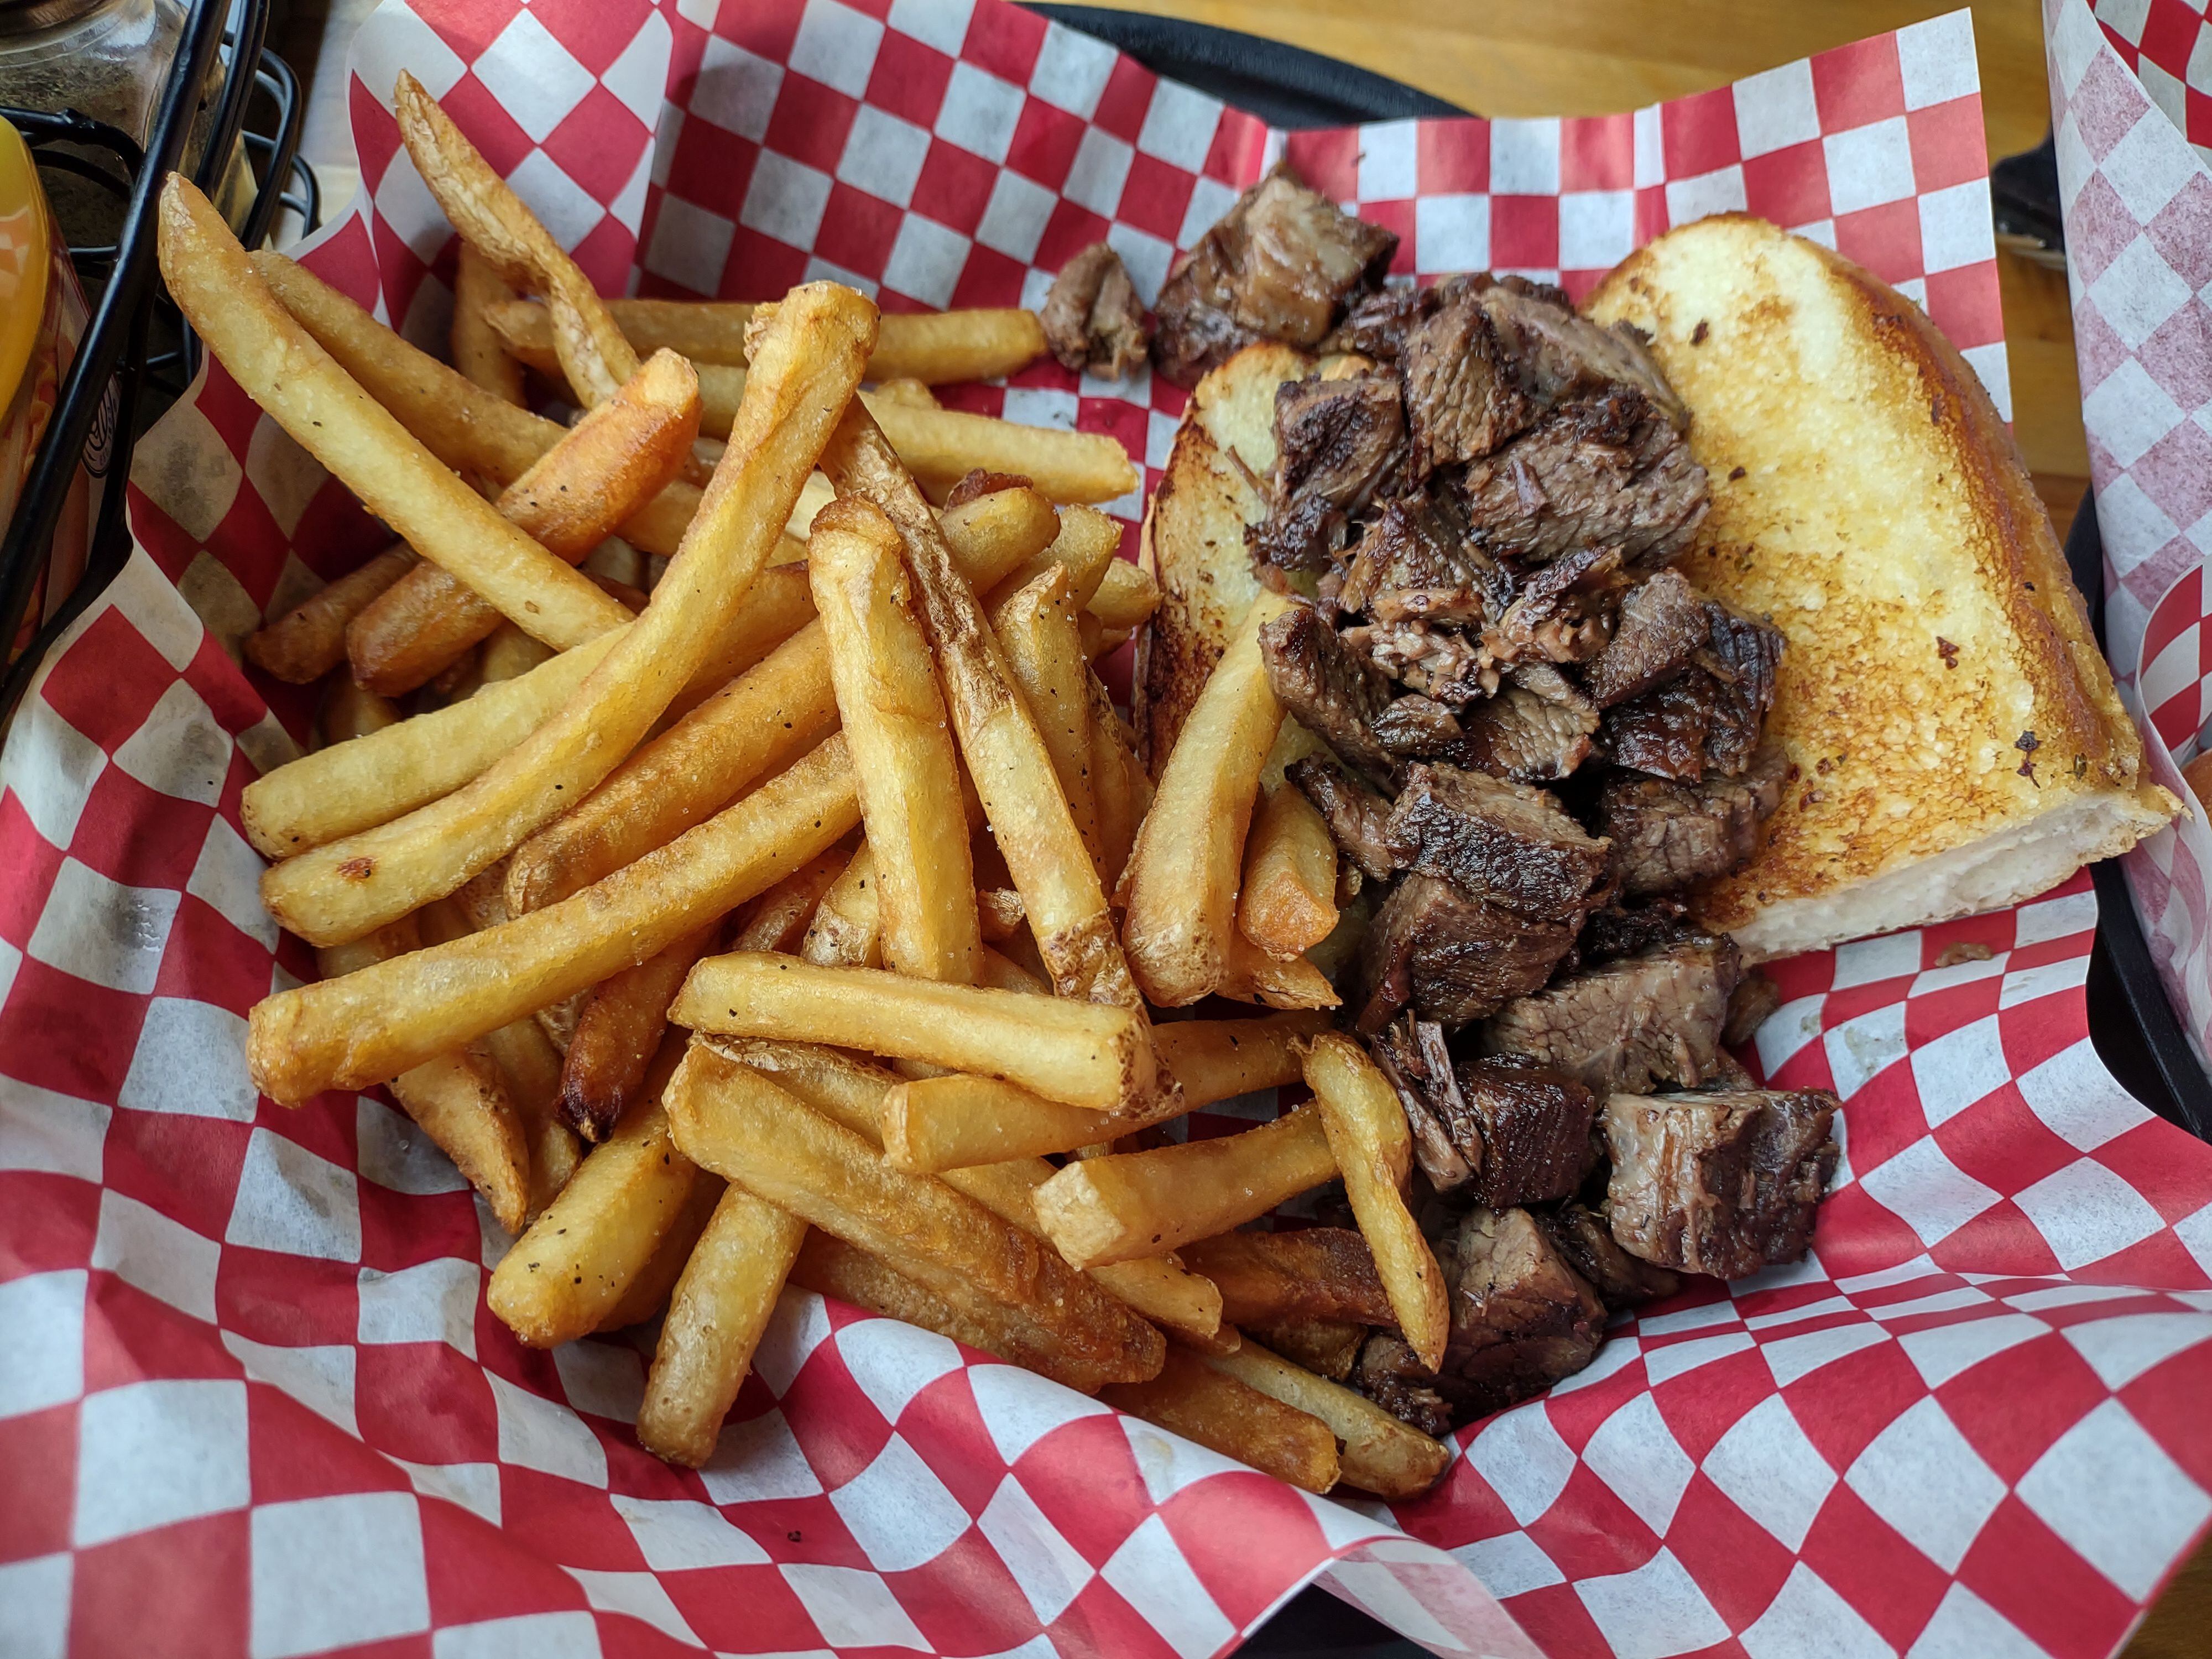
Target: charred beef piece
point(1416, 564)
point(1389, 1374)
point(1743, 657)
point(1337, 442)
point(1560, 354)
point(1667, 835)
point(1328, 688)
point(1710, 714)
point(1092, 319)
point(1585, 1240)
point(1452, 956)
point(1534, 1127)
point(1521, 1319)
point(1627, 930)
point(1438, 661)
point(1662, 622)
point(1563, 613)
point(1278, 265)
point(1418, 727)
point(1463, 395)
point(1720, 1183)
point(1536, 730)
point(1358, 818)
point(1664, 730)
point(1607, 471)
point(1447, 1142)
point(1623, 1027)
point(1755, 1000)
point(1506, 843)
point(1375, 323)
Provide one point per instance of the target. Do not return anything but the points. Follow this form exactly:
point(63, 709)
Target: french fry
point(1369, 1138)
point(295, 382)
point(902, 754)
point(940, 445)
point(374, 1024)
point(809, 363)
point(1089, 1054)
point(1250, 974)
point(1043, 648)
point(568, 1271)
point(1379, 1454)
point(1114, 774)
point(787, 910)
point(1128, 1205)
point(697, 767)
point(619, 1030)
point(732, 1120)
point(952, 1122)
point(1000, 911)
point(1327, 1347)
point(478, 351)
point(1085, 548)
point(349, 713)
point(1192, 1398)
point(654, 1283)
point(847, 931)
point(909, 392)
point(1004, 754)
point(1282, 1278)
point(720, 1306)
point(1182, 879)
point(308, 640)
point(1126, 598)
point(508, 653)
point(1287, 903)
point(618, 457)
point(1003, 973)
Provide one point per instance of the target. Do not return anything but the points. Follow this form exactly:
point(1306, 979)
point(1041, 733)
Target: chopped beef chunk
point(1585, 1239)
point(1337, 441)
point(1451, 956)
point(1463, 397)
point(1328, 688)
point(1521, 1319)
point(1375, 324)
point(1627, 930)
point(1609, 471)
point(1663, 732)
point(1722, 1184)
point(1711, 712)
point(1418, 727)
point(1623, 1027)
point(1358, 819)
point(1536, 730)
point(1327, 1347)
point(1667, 835)
point(1662, 621)
point(1563, 613)
point(1560, 354)
point(1279, 265)
point(1389, 1374)
point(1439, 662)
point(1535, 1131)
point(1447, 1142)
point(1506, 843)
point(1091, 317)
point(1755, 1000)
point(1743, 657)
point(1416, 564)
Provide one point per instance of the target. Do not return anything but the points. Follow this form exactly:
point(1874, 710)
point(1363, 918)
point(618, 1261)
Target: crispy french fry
point(1373, 1146)
point(787, 910)
point(808, 365)
point(1379, 1454)
point(296, 382)
point(940, 445)
point(953, 1121)
point(1114, 774)
point(1127, 1205)
point(1085, 547)
point(847, 931)
point(735, 1121)
point(1000, 910)
point(1287, 903)
point(478, 351)
point(909, 392)
point(696, 768)
point(720, 1306)
point(1127, 597)
point(618, 457)
point(1003, 973)
point(508, 653)
point(1183, 876)
point(1037, 630)
point(655, 1282)
point(1091, 1054)
point(1250, 974)
point(348, 713)
point(308, 640)
point(1223, 1413)
point(618, 1031)
point(567, 1273)
point(1004, 754)
point(373, 1025)
point(1282, 1278)
point(1327, 1347)
point(902, 754)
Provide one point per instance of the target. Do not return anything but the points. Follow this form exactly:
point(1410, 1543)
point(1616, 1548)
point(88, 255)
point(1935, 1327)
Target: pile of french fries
point(728, 853)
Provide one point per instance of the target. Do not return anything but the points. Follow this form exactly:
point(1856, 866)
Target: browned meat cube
point(1452, 956)
point(1389, 1374)
point(1663, 621)
point(1092, 318)
point(1462, 394)
point(1507, 843)
point(1337, 443)
point(1447, 1143)
point(1624, 1026)
point(1535, 1131)
point(1584, 1239)
point(1329, 688)
point(1358, 817)
point(1667, 835)
point(1416, 562)
point(1522, 1318)
point(1536, 730)
point(1563, 613)
point(1609, 471)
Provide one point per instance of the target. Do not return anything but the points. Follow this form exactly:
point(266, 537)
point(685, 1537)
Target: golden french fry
point(374, 1024)
point(808, 362)
point(1284, 1278)
point(1003, 973)
point(1327, 1347)
point(1126, 598)
point(1250, 974)
point(478, 352)
point(655, 1282)
point(1127, 1205)
point(1183, 876)
point(903, 759)
point(1012, 768)
point(1286, 903)
point(618, 1031)
point(1379, 1454)
point(1373, 1147)
point(509, 653)
point(1088, 1053)
point(911, 391)
point(1220, 1412)
point(308, 640)
point(720, 1306)
point(1000, 910)
point(847, 931)
point(295, 382)
point(735, 1121)
point(618, 457)
point(1043, 648)
point(787, 910)
point(348, 713)
point(941, 446)
point(1087, 542)
point(1114, 775)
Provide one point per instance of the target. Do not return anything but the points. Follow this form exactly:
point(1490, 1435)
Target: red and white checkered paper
point(251, 1401)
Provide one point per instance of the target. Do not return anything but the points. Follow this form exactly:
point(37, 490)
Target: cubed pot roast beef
point(1537, 737)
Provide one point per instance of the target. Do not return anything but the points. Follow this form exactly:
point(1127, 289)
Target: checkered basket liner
point(251, 1401)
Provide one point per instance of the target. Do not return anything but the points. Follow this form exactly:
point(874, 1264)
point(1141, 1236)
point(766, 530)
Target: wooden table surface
point(1596, 56)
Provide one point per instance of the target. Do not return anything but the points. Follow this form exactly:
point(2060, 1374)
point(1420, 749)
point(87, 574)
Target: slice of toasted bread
point(1958, 739)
